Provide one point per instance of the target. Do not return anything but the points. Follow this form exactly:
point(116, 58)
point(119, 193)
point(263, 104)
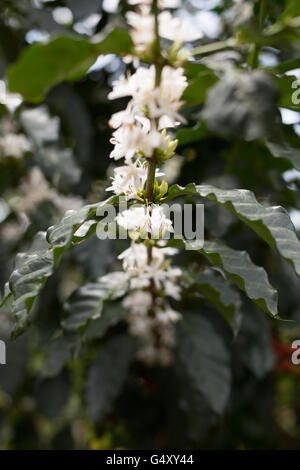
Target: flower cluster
point(140, 138)
point(172, 28)
point(151, 318)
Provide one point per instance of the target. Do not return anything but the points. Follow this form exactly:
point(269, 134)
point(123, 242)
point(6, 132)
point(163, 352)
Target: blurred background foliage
point(54, 157)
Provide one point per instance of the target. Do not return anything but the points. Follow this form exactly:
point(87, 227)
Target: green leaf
point(13, 374)
point(7, 294)
point(286, 90)
point(273, 224)
point(112, 314)
point(189, 135)
point(64, 233)
point(107, 375)
point(52, 394)
point(41, 66)
point(28, 278)
point(177, 191)
point(87, 302)
point(253, 347)
point(203, 356)
point(292, 10)
point(60, 351)
point(33, 268)
point(201, 79)
point(285, 66)
point(249, 277)
point(217, 290)
point(284, 150)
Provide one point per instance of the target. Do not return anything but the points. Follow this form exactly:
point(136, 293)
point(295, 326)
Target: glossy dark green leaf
point(52, 394)
point(13, 372)
point(60, 351)
point(284, 150)
point(204, 358)
point(177, 191)
point(254, 343)
point(249, 277)
point(107, 375)
point(30, 274)
point(219, 292)
point(112, 314)
point(62, 234)
point(87, 302)
point(33, 268)
point(273, 224)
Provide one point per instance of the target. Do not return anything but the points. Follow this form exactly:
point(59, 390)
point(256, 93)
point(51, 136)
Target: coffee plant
point(126, 334)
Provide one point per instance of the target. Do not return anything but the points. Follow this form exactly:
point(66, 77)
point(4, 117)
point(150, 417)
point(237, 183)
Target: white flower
point(158, 223)
point(14, 145)
point(133, 134)
point(141, 326)
point(161, 280)
point(143, 27)
point(162, 102)
point(138, 302)
point(172, 85)
point(139, 85)
point(127, 116)
point(135, 262)
point(171, 285)
point(172, 289)
point(11, 100)
point(134, 219)
point(129, 179)
point(177, 29)
point(168, 315)
point(145, 221)
point(134, 258)
point(130, 138)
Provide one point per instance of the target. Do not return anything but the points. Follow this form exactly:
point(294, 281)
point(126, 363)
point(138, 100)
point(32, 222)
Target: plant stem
point(156, 47)
point(255, 49)
point(213, 47)
point(152, 161)
point(149, 195)
point(150, 179)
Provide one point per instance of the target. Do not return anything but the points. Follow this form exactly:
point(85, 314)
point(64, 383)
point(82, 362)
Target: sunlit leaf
point(41, 66)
